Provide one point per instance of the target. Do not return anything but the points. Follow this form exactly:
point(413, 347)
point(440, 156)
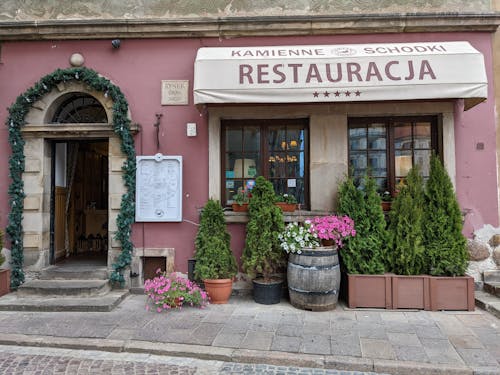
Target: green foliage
point(445, 245)
point(214, 259)
point(406, 250)
point(121, 126)
point(262, 254)
point(363, 254)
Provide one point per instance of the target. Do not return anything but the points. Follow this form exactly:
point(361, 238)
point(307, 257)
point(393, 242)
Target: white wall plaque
point(174, 92)
point(158, 194)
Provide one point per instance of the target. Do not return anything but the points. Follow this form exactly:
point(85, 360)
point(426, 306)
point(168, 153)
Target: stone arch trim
point(27, 116)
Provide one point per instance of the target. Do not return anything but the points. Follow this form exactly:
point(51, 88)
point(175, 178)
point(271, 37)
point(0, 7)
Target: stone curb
point(341, 363)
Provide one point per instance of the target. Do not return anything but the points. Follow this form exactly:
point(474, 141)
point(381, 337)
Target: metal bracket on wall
point(157, 126)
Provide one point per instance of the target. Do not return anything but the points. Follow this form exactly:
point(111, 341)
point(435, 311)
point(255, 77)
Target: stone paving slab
point(243, 331)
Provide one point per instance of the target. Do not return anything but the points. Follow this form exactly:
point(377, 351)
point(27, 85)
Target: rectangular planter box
point(4, 282)
point(451, 293)
point(369, 291)
point(411, 292)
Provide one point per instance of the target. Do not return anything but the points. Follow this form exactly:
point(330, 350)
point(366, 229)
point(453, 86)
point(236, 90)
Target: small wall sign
point(174, 92)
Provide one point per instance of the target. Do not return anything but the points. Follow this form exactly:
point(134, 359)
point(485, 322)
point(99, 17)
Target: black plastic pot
point(267, 292)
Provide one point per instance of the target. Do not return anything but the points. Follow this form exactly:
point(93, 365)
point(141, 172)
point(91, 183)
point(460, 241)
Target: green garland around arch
point(121, 126)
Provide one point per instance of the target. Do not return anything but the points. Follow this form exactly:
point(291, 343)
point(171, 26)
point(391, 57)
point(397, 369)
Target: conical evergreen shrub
point(263, 255)
point(444, 243)
point(405, 253)
point(214, 258)
point(2, 258)
point(363, 254)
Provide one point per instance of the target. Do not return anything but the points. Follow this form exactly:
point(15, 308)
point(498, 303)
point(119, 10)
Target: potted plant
point(386, 200)
point(287, 202)
point(215, 262)
point(241, 199)
point(313, 271)
point(262, 256)
point(167, 292)
point(4, 273)
point(445, 245)
point(362, 257)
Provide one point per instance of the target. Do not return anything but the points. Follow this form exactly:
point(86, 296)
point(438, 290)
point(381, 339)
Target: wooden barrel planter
point(314, 278)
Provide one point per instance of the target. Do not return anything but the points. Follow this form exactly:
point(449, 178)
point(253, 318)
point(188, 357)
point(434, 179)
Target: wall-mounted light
point(116, 43)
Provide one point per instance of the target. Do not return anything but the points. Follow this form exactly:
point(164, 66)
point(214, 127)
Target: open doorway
point(79, 212)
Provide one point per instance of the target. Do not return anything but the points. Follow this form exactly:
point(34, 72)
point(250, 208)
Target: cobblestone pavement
point(28, 360)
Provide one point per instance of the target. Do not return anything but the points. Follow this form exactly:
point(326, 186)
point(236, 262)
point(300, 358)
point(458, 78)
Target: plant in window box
point(241, 200)
point(287, 202)
point(386, 198)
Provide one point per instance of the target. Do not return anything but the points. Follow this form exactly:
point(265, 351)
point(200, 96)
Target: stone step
point(105, 303)
point(491, 276)
point(488, 302)
point(492, 288)
point(74, 288)
point(74, 273)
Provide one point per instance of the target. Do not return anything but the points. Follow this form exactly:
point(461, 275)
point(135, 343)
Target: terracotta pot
point(286, 207)
point(240, 207)
point(386, 206)
point(219, 290)
point(325, 242)
point(4, 282)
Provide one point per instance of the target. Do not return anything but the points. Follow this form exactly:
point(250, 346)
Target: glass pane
point(245, 167)
point(403, 163)
point(233, 139)
point(357, 160)
point(251, 139)
point(422, 135)
point(402, 137)
point(295, 165)
point(277, 165)
point(277, 139)
point(382, 184)
point(231, 189)
point(357, 138)
point(295, 139)
point(423, 159)
point(377, 163)
point(376, 138)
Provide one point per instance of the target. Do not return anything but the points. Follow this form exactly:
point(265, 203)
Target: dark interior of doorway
point(79, 218)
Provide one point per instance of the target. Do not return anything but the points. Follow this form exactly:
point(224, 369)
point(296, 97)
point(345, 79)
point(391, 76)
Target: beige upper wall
point(26, 10)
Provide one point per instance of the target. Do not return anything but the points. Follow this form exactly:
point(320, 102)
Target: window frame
point(264, 125)
point(389, 122)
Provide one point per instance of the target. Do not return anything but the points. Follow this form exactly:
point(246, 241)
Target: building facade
point(220, 93)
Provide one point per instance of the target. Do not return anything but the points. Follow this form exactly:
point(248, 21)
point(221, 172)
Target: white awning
point(340, 73)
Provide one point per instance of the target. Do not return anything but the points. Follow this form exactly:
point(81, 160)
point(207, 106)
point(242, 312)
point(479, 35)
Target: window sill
point(288, 217)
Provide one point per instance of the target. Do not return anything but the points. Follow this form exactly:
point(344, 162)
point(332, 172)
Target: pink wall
point(138, 68)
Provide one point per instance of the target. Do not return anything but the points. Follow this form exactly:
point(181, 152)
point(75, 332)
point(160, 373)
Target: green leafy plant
point(242, 196)
point(364, 253)
point(386, 196)
point(445, 246)
point(286, 198)
point(171, 291)
point(121, 126)
point(406, 250)
point(214, 258)
point(2, 258)
point(262, 255)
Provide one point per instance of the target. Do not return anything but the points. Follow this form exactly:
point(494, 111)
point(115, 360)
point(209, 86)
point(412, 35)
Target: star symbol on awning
point(358, 93)
point(337, 93)
point(326, 94)
point(315, 94)
point(347, 93)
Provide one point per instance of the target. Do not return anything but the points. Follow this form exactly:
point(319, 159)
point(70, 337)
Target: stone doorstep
point(73, 288)
point(105, 303)
point(492, 288)
point(58, 273)
point(491, 276)
point(488, 302)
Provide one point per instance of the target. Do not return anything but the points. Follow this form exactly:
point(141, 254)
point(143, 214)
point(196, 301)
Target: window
point(387, 148)
point(80, 108)
point(275, 149)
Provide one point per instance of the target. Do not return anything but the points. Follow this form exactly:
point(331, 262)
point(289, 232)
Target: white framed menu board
point(158, 195)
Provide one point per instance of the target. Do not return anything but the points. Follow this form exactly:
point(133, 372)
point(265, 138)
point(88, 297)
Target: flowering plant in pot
point(241, 199)
point(215, 262)
point(332, 229)
point(167, 292)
